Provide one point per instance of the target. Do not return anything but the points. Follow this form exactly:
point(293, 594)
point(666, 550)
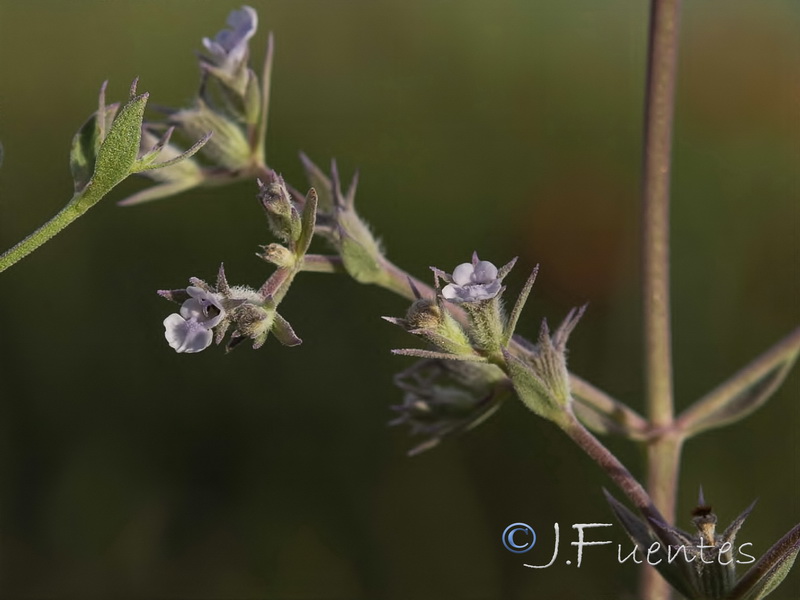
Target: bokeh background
point(509, 127)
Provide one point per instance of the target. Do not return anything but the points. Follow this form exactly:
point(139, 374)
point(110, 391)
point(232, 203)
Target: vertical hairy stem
point(663, 453)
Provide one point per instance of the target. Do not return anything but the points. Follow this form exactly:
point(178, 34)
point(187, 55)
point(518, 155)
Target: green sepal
point(85, 143)
point(532, 390)
point(487, 324)
point(284, 333)
point(361, 263)
point(148, 162)
point(676, 573)
point(308, 219)
point(118, 151)
point(320, 182)
point(770, 570)
point(511, 324)
point(252, 99)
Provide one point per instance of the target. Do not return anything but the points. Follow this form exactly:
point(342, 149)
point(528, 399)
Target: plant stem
point(663, 453)
point(400, 282)
point(62, 219)
point(612, 466)
point(319, 263)
point(585, 393)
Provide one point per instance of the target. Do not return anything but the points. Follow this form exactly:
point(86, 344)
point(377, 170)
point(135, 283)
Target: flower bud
point(253, 322)
point(540, 376)
point(228, 146)
point(278, 255)
point(424, 314)
point(431, 320)
point(284, 220)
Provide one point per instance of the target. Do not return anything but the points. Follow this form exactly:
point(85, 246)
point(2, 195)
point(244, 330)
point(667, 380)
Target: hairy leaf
point(771, 569)
point(744, 392)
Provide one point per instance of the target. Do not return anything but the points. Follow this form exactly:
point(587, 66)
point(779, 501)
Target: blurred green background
point(508, 127)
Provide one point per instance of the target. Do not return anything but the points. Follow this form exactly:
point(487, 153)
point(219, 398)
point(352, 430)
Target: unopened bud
point(284, 220)
point(278, 255)
point(228, 147)
point(424, 314)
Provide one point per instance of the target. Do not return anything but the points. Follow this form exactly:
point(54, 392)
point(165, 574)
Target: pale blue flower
point(472, 282)
point(229, 48)
point(190, 331)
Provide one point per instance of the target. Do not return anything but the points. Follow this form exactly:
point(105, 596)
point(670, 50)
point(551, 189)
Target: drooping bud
point(447, 397)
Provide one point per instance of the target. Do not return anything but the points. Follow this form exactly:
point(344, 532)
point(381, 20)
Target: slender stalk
point(612, 466)
point(319, 263)
point(584, 392)
point(64, 217)
point(664, 453)
point(400, 282)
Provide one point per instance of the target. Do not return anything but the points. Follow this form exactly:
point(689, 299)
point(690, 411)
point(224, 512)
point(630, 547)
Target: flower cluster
point(230, 105)
point(252, 314)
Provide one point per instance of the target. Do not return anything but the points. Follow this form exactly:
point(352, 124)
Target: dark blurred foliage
point(508, 127)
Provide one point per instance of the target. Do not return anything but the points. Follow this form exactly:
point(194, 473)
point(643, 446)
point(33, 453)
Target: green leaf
point(745, 392)
point(771, 569)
